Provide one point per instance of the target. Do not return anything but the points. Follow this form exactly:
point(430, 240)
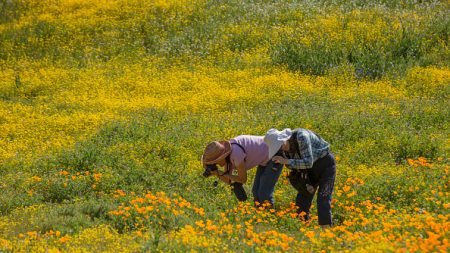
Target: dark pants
point(324, 169)
point(264, 184)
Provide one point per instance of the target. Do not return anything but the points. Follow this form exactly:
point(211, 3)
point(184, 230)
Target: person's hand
point(280, 159)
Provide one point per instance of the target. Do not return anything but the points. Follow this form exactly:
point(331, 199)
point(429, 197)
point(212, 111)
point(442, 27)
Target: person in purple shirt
point(240, 154)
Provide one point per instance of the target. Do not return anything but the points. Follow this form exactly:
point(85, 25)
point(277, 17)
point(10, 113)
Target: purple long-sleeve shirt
point(256, 151)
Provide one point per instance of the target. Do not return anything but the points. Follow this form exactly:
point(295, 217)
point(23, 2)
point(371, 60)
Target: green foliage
point(313, 60)
point(391, 52)
point(371, 77)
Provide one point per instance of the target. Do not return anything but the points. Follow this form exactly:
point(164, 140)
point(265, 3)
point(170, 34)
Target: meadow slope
point(106, 107)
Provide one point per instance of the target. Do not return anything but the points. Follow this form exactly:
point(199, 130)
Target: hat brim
point(274, 148)
point(226, 152)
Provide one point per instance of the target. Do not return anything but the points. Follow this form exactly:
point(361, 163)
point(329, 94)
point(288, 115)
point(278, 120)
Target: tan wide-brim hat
point(216, 151)
point(274, 139)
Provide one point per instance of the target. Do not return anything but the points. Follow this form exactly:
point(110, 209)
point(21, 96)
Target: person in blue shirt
point(304, 151)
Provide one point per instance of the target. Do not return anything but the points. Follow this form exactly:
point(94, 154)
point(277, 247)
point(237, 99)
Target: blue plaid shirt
point(312, 147)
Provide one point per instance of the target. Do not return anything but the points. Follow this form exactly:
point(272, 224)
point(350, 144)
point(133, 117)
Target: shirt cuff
point(291, 164)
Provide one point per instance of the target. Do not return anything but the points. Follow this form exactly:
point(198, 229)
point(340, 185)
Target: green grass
point(372, 77)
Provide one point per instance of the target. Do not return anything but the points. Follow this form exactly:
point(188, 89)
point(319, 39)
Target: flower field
point(106, 107)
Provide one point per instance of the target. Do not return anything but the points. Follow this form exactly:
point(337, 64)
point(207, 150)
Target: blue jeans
point(265, 179)
point(324, 170)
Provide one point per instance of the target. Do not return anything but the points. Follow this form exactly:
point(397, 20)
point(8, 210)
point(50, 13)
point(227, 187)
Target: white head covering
point(274, 139)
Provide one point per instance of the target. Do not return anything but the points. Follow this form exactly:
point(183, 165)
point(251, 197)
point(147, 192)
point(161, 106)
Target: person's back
point(252, 150)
